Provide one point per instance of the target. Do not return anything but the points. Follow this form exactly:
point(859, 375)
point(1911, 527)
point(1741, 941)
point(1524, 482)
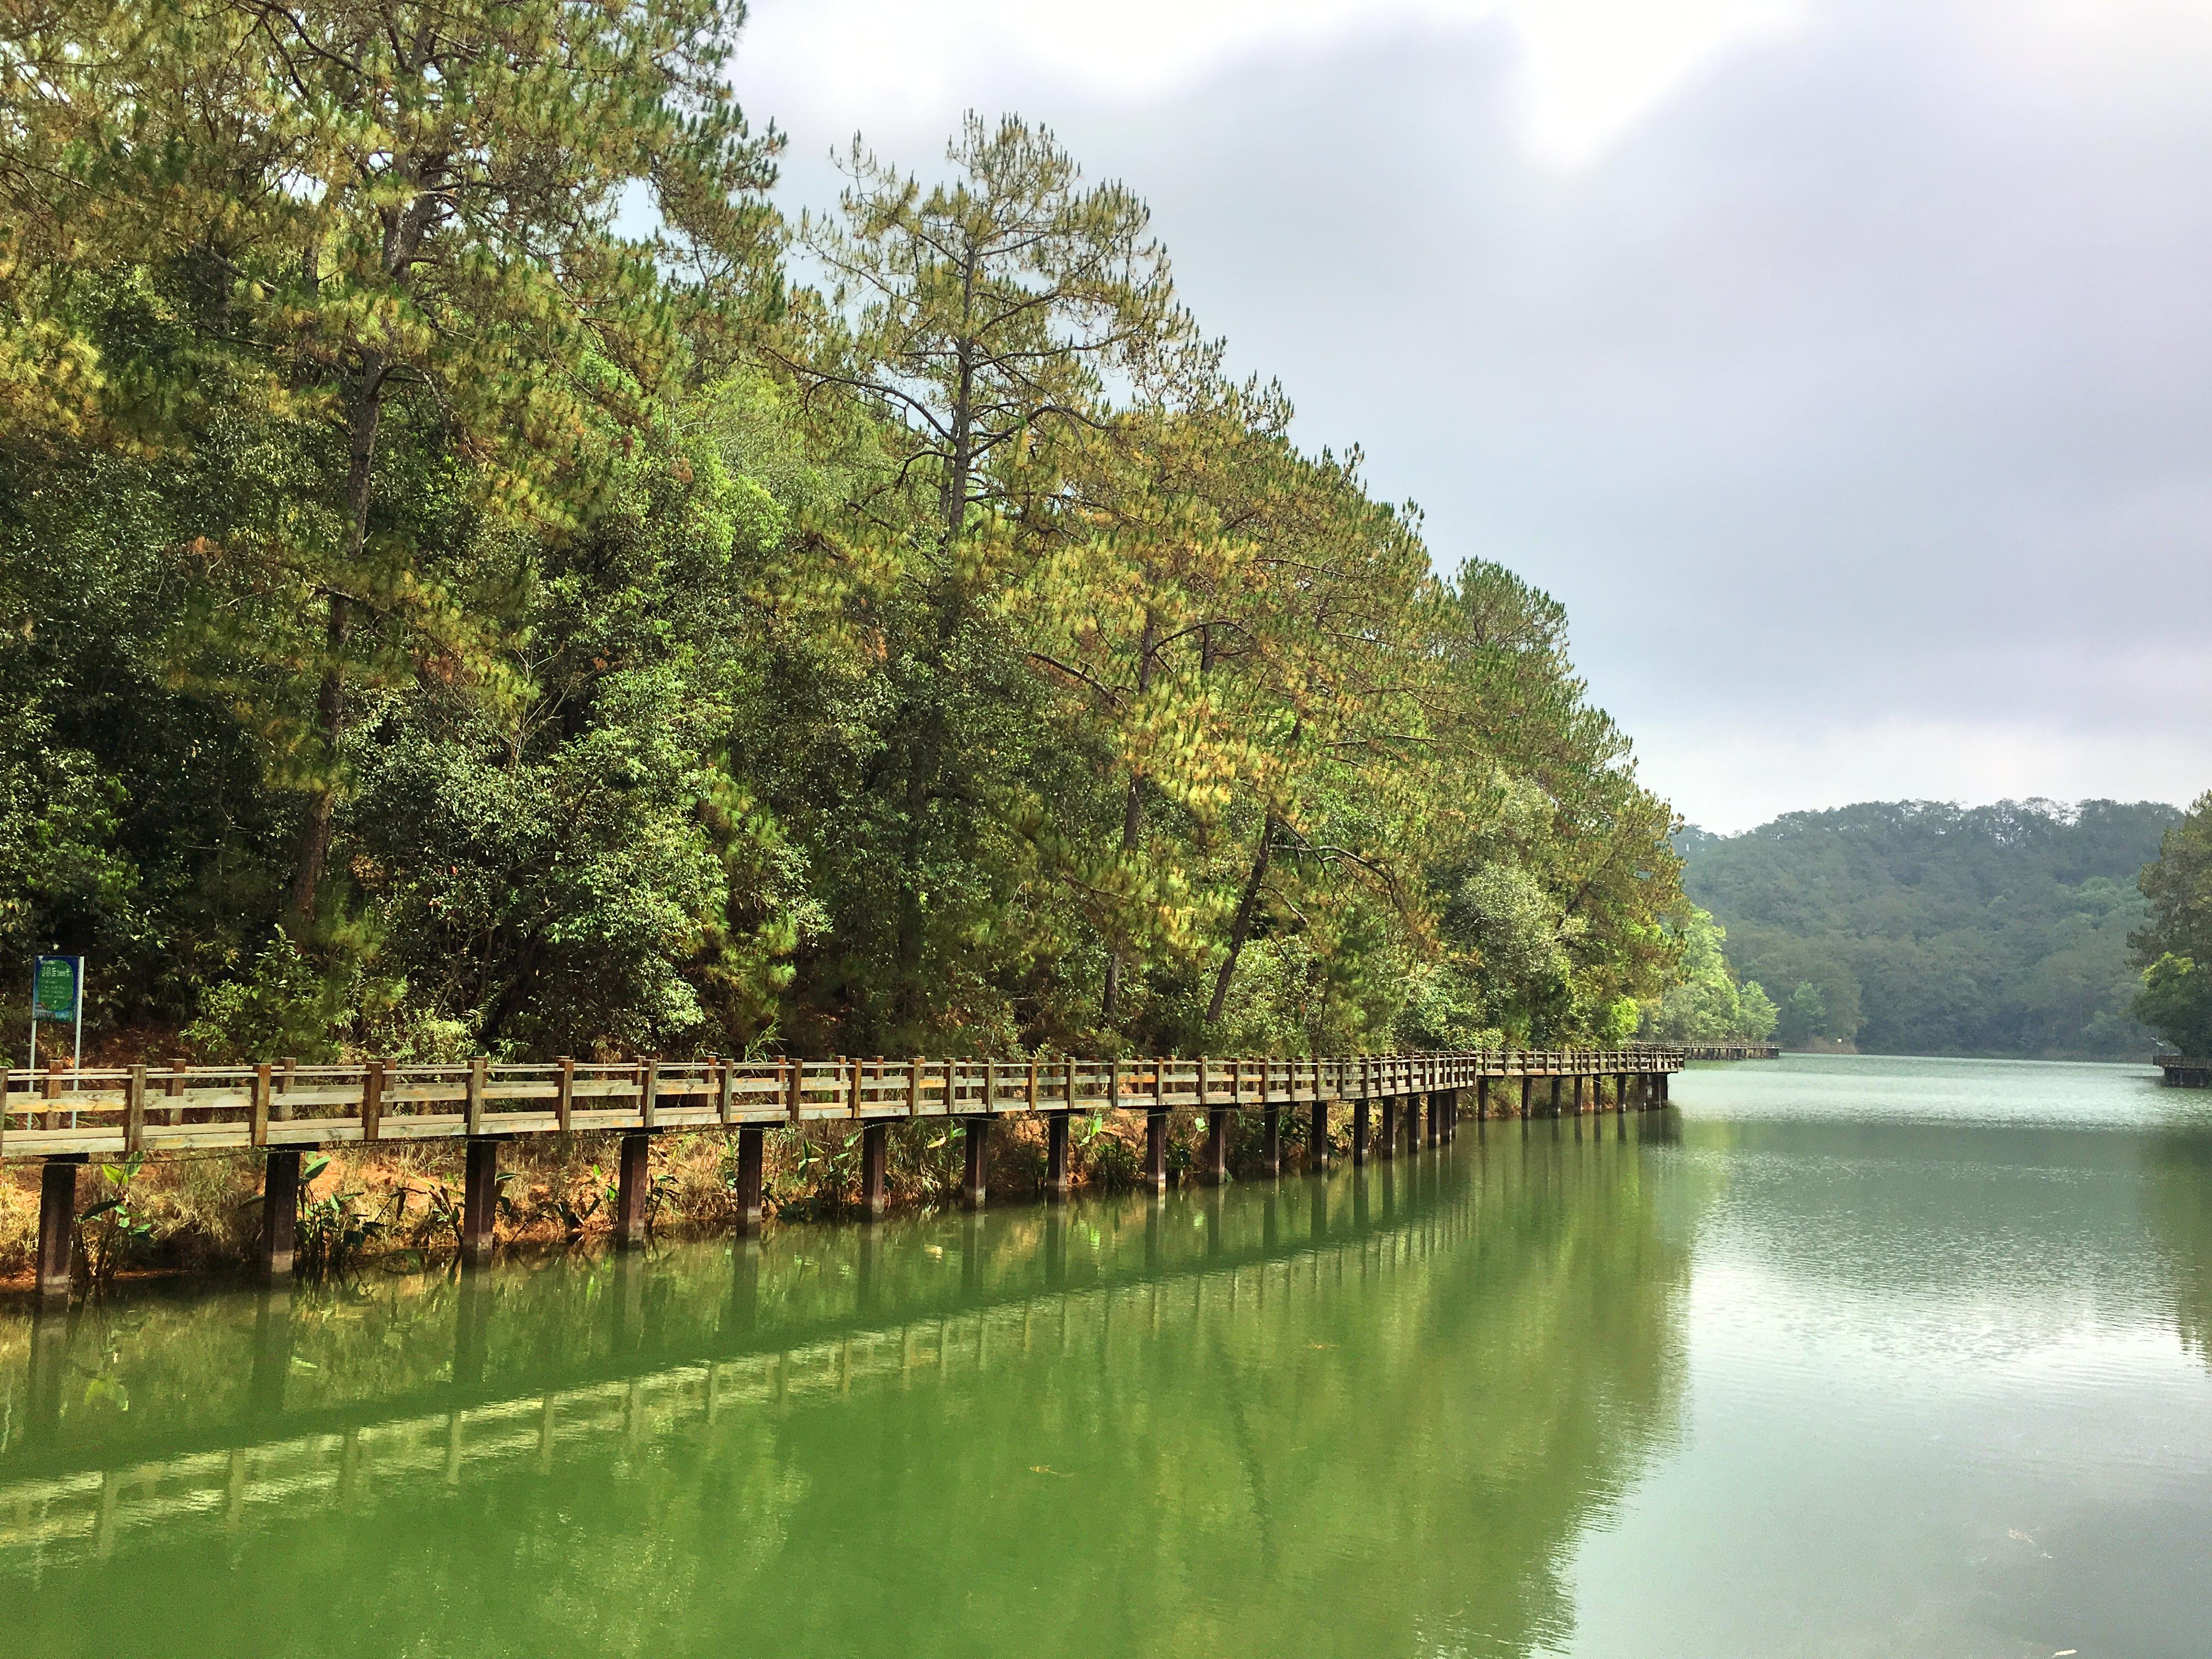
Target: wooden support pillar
point(1555, 1094)
point(280, 1212)
point(1156, 1152)
point(1216, 1171)
point(1055, 1156)
point(1317, 1135)
point(1481, 1098)
point(50, 1328)
point(749, 1179)
point(1620, 1093)
point(1436, 1117)
point(479, 1201)
point(1526, 1083)
point(1271, 1141)
point(633, 1181)
point(1387, 1145)
point(273, 1349)
point(744, 1311)
point(471, 1329)
point(875, 1139)
point(56, 1225)
point(627, 1304)
point(1359, 1131)
point(1055, 1252)
point(1578, 1092)
point(1666, 1085)
point(976, 1139)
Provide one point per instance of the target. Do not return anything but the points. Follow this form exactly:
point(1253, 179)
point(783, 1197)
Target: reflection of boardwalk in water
point(1313, 1240)
point(1136, 1427)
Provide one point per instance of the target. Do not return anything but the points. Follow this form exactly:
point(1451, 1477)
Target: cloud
point(1849, 373)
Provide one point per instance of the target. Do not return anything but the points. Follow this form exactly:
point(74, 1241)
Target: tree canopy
point(1925, 927)
point(441, 616)
point(2174, 947)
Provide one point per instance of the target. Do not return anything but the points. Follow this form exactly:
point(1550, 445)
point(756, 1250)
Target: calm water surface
point(1840, 1357)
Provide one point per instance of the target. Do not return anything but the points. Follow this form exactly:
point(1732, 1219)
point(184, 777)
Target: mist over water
point(1841, 1356)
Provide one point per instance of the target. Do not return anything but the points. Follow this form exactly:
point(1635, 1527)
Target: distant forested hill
point(1920, 928)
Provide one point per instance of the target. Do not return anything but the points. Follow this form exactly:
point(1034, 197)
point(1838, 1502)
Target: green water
point(1840, 1357)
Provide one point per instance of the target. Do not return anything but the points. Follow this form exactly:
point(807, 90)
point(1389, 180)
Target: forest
point(1921, 927)
point(477, 576)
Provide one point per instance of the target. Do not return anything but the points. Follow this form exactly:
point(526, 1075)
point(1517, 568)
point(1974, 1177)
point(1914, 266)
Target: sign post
point(57, 994)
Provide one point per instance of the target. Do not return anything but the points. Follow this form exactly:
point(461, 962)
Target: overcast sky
point(1845, 369)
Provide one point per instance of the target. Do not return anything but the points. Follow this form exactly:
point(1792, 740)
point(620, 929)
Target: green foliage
point(443, 624)
point(1708, 1006)
point(110, 1231)
point(280, 1004)
point(2174, 945)
point(1919, 927)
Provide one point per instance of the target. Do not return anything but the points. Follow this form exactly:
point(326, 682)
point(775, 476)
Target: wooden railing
point(119, 1111)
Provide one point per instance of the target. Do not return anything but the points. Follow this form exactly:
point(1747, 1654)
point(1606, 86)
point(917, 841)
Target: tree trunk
point(312, 856)
point(1248, 912)
point(924, 747)
point(1132, 818)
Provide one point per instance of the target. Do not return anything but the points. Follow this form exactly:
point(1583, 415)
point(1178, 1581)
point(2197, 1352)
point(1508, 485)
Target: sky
point(1845, 369)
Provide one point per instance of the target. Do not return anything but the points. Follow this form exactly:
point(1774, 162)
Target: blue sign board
point(57, 988)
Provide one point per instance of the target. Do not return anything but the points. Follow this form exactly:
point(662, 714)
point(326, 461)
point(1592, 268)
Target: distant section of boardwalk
point(64, 1118)
point(1733, 1051)
point(2185, 1070)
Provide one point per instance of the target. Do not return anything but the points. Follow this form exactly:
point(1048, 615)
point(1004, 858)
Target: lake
point(1840, 1355)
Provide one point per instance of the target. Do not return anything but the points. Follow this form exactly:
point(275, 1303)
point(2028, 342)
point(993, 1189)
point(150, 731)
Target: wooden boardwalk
point(2184, 1071)
point(65, 1118)
point(1733, 1051)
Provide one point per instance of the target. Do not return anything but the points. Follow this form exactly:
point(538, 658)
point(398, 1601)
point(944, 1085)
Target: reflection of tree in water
point(2180, 1206)
point(1218, 1427)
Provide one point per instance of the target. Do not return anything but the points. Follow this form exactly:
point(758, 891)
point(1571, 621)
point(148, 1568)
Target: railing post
point(134, 1111)
point(478, 1068)
point(372, 1102)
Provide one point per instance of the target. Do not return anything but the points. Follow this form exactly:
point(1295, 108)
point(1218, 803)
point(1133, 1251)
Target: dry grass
point(205, 1212)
